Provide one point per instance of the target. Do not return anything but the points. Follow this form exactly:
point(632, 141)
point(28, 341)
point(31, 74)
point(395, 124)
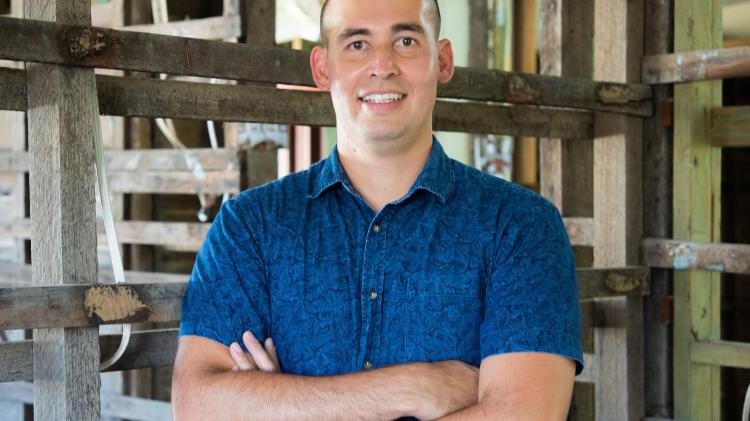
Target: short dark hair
point(436, 18)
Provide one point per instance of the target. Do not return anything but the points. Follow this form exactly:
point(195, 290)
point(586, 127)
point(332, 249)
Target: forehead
point(374, 14)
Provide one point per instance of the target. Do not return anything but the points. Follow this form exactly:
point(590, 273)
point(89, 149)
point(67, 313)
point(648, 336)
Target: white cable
point(746, 406)
point(109, 228)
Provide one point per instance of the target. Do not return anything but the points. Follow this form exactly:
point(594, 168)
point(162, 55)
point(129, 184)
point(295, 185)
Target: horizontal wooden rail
point(146, 349)
point(215, 28)
point(185, 236)
point(115, 49)
point(134, 97)
point(89, 305)
point(681, 255)
point(113, 405)
point(580, 231)
point(695, 66)
point(730, 127)
point(16, 275)
point(721, 353)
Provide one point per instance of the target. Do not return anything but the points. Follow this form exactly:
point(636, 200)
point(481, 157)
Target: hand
point(260, 357)
point(445, 387)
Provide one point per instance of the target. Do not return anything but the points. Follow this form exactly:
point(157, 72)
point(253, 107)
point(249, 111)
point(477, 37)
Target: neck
point(383, 178)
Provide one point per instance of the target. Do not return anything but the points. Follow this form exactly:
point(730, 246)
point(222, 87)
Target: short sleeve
point(531, 299)
point(227, 293)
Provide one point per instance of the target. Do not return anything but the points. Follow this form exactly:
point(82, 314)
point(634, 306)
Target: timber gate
point(593, 121)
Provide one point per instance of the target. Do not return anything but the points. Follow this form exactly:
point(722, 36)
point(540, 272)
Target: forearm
point(376, 394)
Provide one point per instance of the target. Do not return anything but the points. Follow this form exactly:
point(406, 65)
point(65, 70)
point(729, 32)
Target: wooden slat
point(87, 305)
point(13, 275)
point(152, 348)
point(112, 405)
point(184, 235)
point(214, 28)
point(580, 231)
point(192, 57)
point(721, 354)
point(693, 66)
point(682, 255)
point(213, 182)
point(156, 98)
point(730, 127)
point(697, 213)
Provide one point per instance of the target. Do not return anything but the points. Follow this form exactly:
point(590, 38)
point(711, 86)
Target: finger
point(271, 349)
point(241, 360)
point(260, 356)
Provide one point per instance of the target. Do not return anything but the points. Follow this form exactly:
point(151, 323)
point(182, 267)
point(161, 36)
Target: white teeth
point(383, 98)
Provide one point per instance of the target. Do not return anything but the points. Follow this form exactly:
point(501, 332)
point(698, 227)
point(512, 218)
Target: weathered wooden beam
point(730, 127)
point(721, 354)
point(152, 348)
point(580, 231)
point(89, 305)
point(157, 98)
point(113, 405)
point(13, 275)
point(108, 48)
point(693, 66)
point(682, 255)
point(213, 28)
point(183, 235)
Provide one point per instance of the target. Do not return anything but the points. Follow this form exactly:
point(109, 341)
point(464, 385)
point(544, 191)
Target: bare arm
point(206, 386)
point(522, 386)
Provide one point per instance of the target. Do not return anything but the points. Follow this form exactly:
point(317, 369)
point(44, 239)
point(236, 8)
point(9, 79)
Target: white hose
point(109, 228)
point(746, 406)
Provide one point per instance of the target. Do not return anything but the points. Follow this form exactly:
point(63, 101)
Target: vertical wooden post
point(63, 248)
point(697, 210)
point(617, 208)
point(524, 60)
point(657, 218)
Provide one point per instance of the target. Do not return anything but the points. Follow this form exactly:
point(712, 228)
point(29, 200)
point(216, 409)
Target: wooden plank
point(156, 98)
point(580, 231)
point(146, 349)
point(168, 160)
point(213, 28)
point(88, 305)
point(12, 275)
point(215, 59)
point(187, 236)
point(721, 353)
point(113, 405)
point(693, 66)
point(617, 210)
point(730, 127)
point(682, 255)
point(697, 210)
point(61, 130)
point(212, 182)
point(260, 22)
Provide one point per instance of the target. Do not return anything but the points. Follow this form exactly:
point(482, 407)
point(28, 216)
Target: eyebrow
point(396, 28)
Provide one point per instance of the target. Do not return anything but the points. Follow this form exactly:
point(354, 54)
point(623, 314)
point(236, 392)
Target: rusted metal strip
point(695, 66)
point(72, 45)
point(681, 255)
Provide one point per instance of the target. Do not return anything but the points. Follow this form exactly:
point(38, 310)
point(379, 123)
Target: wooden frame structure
point(593, 175)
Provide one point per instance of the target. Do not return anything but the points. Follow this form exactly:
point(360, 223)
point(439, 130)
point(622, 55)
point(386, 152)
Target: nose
point(384, 65)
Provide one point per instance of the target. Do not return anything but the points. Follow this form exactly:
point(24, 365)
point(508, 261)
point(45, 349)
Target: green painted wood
point(721, 353)
point(697, 195)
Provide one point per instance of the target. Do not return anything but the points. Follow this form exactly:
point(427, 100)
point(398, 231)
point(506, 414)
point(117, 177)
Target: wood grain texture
point(61, 133)
point(697, 210)
point(213, 28)
point(721, 353)
point(693, 66)
point(682, 255)
point(115, 49)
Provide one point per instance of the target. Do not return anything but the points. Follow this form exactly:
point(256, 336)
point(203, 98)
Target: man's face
point(382, 64)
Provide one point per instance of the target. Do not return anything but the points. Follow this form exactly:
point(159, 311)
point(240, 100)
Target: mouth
point(382, 98)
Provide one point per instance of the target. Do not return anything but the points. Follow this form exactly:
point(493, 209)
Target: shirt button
point(373, 294)
point(368, 365)
point(376, 228)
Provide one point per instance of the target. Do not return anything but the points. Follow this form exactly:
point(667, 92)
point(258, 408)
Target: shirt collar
point(436, 176)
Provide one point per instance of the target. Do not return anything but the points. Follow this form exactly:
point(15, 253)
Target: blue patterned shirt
point(462, 267)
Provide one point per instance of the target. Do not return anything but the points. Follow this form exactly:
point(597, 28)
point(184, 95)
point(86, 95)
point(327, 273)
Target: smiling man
point(388, 280)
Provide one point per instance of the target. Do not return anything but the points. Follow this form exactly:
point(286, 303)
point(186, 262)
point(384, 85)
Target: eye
point(407, 42)
point(357, 45)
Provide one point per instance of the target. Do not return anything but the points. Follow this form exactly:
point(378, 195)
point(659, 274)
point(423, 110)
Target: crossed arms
point(214, 381)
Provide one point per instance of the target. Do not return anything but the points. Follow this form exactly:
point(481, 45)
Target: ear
point(445, 61)
point(319, 67)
